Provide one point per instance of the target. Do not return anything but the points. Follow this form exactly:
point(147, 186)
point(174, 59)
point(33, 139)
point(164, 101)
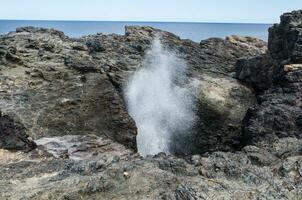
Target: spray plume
point(160, 108)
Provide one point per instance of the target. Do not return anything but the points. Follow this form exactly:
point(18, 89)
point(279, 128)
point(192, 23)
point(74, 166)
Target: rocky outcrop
point(285, 38)
point(55, 88)
point(68, 95)
point(277, 78)
point(219, 96)
point(284, 47)
point(60, 86)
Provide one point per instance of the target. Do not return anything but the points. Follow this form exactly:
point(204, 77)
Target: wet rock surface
point(67, 94)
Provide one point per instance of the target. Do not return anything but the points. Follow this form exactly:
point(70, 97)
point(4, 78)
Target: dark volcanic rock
point(256, 72)
point(285, 42)
point(277, 77)
point(284, 47)
point(278, 112)
point(13, 135)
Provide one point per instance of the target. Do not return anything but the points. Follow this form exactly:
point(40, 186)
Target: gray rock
point(60, 90)
point(227, 175)
point(256, 72)
point(219, 97)
point(285, 38)
point(61, 86)
point(13, 135)
point(278, 112)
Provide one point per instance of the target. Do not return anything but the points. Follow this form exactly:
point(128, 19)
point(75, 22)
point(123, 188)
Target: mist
point(160, 108)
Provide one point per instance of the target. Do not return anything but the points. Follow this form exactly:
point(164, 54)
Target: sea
point(192, 31)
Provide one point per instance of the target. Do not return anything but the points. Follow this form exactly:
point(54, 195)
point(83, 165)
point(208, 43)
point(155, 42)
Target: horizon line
point(133, 21)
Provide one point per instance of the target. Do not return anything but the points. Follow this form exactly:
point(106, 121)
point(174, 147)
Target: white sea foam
point(159, 107)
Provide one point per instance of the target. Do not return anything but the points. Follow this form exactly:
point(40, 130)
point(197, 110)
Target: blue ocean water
point(193, 31)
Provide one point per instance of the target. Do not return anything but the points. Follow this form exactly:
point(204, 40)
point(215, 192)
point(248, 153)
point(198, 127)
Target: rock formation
point(13, 135)
point(209, 73)
point(67, 95)
point(278, 112)
point(55, 88)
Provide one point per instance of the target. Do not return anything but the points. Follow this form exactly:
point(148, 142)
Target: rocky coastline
point(65, 132)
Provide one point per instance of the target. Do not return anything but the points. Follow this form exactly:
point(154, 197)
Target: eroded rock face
point(279, 111)
point(55, 88)
point(60, 86)
point(220, 99)
point(13, 135)
point(285, 38)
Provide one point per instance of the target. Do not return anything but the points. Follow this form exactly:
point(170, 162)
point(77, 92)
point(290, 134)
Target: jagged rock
point(285, 41)
point(13, 135)
point(277, 114)
point(57, 90)
point(75, 86)
point(209, 75)
point(226, 175)
point(257, 72)
point(279, 110)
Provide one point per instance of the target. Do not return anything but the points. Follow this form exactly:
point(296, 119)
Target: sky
point(242, 11)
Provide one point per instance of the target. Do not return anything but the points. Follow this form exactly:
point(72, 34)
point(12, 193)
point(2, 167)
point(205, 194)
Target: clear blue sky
point(250, 11)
